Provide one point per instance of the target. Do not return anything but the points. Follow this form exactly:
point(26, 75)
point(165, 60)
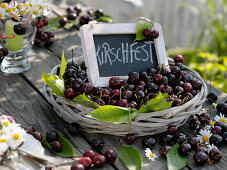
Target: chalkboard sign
point(110, 50)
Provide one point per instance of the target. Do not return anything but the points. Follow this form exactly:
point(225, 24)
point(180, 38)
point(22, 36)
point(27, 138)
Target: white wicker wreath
point(144, 123)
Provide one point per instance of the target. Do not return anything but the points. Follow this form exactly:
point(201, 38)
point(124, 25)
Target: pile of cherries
point(84, 17)
point(91, 159)
point(43, 37)
point(139, 88)
point(3, 52)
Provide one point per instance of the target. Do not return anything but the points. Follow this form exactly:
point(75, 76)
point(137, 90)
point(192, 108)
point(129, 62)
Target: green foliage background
point(209, 58)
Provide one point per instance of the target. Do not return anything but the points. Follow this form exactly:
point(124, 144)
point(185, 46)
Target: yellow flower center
point(15, 16)
point(151, 155)
point(3, 5)
point(1, 15)
point(19, 7)
point(205, 138)
point(2, 140)
point(16, 136)
point(9, 10)
point(13, 9)
point(222, 120)
point(35, 12)
point(41, 7)
point(6, 123)
point(30, 5)
point(211, 123)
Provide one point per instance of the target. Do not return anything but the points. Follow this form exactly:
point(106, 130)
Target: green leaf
point(156, 104)
point(105, 18)
point(81, 97)
point(53, 24)
point(67, 150)
point(140, 26)
point(70, 25)
point(113, 114)
point(131, 157)
point(175, 161)
point(55, 83)
point(62, 65)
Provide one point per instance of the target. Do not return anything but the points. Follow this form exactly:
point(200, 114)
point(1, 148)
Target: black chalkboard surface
point(117, 55)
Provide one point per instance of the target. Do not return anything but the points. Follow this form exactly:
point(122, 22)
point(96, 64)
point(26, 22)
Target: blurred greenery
point(209, 58)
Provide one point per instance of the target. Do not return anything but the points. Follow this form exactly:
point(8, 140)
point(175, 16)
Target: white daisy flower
point(212, 146)
point(151, 156)
point(15, 137)
point(220, 118)
point(204, 136)
point(9, 118)
point(15, 14)
point(2, 13)
point(211, 124)
point(5, 123)
point(3, 145)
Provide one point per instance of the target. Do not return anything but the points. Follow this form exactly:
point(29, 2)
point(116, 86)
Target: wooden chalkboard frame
point(87, 31)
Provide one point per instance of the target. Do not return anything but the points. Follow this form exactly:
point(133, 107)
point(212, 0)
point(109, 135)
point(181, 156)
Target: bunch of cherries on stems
point(84, 17)
point(43, 37)
point(139, 88)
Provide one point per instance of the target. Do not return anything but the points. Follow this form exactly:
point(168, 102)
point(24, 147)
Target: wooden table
point(21, 96)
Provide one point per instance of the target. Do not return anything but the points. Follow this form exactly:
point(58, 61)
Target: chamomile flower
point(151, 156)
point(3, 145)
point(9, 118)
point(15, 137)
point(5, 123)
point(15, 14)
point(212, 146)
point(220, 118)
point(211, 124)
point(204, 136)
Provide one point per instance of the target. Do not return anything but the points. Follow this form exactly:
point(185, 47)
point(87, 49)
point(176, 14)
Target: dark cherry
point(133, 77)
point(157, 79)
point(105, 93)
point(147, 32)
point(222, 107)
point(184, 148)
point(224, 137)
point(57, 146)
point(78, 9)
point(151, 72)
point(204, 118)
point(45, 21)
point(215, 139)
point(197, 84)
point(69, 93)
point(126, 95)
point(101, 102)
point(5, 51)
point(20, 29)
point(194, 142)
point(175, 71)
point(114, 83)
point(77, 166)
point(85, 161)
point(212, 97)
point(51, 136)
point(152, 88)
point(139, 94)
point(180, 83)
point(130, 139)
point(85, 19)
point(163, 150)
point(89, 153)
point(216, 130)
point(172, 130)
point(99, 161)
point(200, 158)
point(115, 93)
point(88, 88)
point(39, 24)
point(154, 34)
point(178, 90)
point(187, 87)
point(148, 142)
point(73, 129)
point(29, 129)
point(77, 83)
point(201, 149)
point(122, 102)
point(97, 144)
point(166, 139)
point(215, 155)
point(178, 59)
point(180, 138)
point(37, 136)
point(110, 155)
point(70, 10)
point(99, 13)
point(63, 21)
point(171, 78)
point(71, 16)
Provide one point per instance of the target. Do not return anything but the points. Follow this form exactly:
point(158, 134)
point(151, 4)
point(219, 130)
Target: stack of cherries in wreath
point(138, 89)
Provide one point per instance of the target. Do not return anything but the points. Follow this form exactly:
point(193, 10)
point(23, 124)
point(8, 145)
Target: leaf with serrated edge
point(140, 26)
point(175, 161)
point(113, 114)
point(131, 157)
point(67, 150)
point(55, 83)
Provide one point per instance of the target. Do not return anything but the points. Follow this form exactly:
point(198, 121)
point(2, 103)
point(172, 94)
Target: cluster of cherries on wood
point(138, 89)
point(76, 12)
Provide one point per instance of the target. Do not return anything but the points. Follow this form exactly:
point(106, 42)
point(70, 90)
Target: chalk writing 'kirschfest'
point(125, 54)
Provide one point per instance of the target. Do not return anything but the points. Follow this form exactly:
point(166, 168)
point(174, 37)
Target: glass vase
point(18, 45)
